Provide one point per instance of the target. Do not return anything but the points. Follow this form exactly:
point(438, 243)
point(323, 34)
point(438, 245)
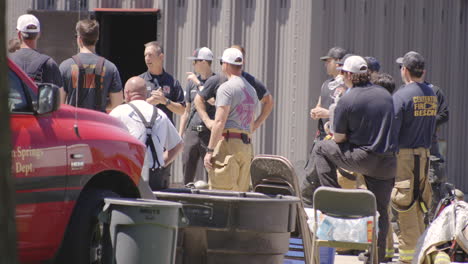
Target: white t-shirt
point(165, 135)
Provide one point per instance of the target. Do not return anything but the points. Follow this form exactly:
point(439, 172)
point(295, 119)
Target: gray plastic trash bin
point(143, 231)
point(233, 227)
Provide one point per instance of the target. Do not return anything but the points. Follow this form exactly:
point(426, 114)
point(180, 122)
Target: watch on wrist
point(209, 150)
point(168, 101)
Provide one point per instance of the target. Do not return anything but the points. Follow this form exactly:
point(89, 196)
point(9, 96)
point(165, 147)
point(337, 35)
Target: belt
point(199, 128)
point(415, 151)
point(242, 136)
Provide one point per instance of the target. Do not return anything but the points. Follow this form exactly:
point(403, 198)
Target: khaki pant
point(410, 213)
point(231, 165)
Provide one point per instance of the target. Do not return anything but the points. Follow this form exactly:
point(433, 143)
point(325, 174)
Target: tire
point(87, 241)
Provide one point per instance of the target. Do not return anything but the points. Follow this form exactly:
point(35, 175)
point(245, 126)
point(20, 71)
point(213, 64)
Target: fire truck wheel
point(86, 239)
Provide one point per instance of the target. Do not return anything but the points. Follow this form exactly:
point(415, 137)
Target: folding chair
point(273, 175)
point(345, 204)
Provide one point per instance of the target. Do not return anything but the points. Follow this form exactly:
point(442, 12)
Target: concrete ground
point(343, 259)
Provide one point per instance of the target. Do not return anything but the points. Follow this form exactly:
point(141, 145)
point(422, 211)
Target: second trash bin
point(233, 227)
point(143, 231)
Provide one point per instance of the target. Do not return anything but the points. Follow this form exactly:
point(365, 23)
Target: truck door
point(39, 167)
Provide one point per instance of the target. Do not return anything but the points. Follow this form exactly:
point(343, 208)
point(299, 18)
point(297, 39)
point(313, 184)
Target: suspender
point(97, 81)
point(149, 129)
point(417, 181)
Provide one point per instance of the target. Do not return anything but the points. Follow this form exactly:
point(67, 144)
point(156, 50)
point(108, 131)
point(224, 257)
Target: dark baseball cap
point(334, 53)
point(373, 64)
point(413, 61)
point(341, 62)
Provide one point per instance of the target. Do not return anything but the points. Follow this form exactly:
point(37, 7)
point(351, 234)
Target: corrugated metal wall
point(386, 29)
point(285, 38)
point(278, 52)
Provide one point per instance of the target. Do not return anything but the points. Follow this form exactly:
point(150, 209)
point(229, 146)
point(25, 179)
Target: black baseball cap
point(341, 62)
point(413, 61)
point(334, 53)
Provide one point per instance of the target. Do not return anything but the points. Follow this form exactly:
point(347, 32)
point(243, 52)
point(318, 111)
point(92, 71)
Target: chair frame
point(341, 203)
point(282, 181)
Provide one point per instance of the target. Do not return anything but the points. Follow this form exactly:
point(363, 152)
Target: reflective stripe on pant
point(410, 214)
point(440, 257)
point(390, 250)
point(231, 166)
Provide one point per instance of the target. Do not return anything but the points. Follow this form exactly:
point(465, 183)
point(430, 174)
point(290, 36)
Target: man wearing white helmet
point(40, 67)
point(363, 141)
point(229, 152)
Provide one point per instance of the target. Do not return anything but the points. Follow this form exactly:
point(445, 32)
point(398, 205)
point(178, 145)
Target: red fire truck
point(65, 160)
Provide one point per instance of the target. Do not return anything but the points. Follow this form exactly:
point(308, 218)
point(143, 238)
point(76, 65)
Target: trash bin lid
point(227, 196)
point(141, 202)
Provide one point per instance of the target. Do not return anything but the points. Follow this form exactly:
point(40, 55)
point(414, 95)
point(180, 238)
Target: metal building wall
point(278, 53)
point(386, 29)
point(285, 38)
point(13, 10)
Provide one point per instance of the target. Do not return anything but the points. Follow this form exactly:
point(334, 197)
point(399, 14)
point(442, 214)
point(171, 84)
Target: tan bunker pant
point(412, 164)
point(231, 165)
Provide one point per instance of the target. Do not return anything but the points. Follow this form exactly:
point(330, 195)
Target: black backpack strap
point(97, 82)
point(80, 84)
point(149, 128)
point(36, 69)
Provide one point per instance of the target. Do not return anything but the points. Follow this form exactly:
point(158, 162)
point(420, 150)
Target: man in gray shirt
point(229, 151)
point(90, 81)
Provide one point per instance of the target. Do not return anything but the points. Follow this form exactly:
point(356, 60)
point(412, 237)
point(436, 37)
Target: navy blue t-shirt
point(170, 87)
point(212, 84)
point(365, 114)
point(29, 60)
point(415, 115)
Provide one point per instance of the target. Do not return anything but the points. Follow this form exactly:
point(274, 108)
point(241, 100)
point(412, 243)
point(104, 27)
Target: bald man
point(164, 136)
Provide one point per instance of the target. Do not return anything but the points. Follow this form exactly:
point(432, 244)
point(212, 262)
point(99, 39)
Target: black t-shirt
point(327, 97)
point(190, 92)
point(40, 67)
point(170, 87)
point(415, 115)
point(365, 114)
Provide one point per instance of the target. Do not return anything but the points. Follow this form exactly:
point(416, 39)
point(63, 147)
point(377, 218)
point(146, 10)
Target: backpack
point(83, 92)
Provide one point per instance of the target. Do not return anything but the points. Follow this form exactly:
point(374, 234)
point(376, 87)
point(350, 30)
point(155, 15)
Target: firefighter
point(415, 119)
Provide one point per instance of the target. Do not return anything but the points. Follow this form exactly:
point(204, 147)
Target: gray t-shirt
point(111, 81)
point(242, 99)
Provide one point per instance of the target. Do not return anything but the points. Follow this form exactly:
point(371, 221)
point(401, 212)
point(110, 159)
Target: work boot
point(364, 257)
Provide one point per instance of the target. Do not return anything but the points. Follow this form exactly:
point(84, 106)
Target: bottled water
point(338, 229)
